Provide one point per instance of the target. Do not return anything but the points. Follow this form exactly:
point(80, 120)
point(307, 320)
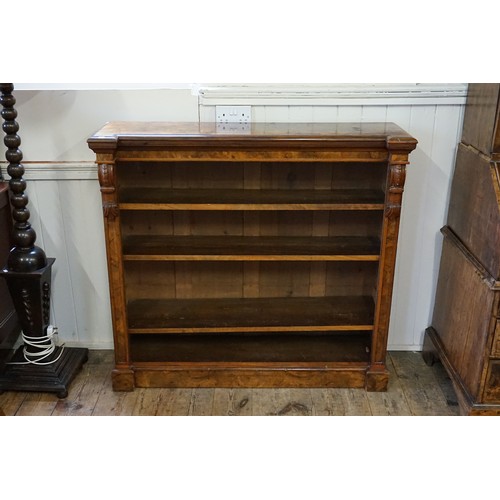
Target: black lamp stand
point(37, 365)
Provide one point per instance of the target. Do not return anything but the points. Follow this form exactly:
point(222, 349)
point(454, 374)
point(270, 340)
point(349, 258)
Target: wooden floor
point(414, 389)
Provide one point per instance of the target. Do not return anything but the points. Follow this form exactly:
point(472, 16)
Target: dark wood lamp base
point(28, 275)
point(54, 378)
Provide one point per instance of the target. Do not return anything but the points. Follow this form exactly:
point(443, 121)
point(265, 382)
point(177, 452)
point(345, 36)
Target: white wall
point(65, 199)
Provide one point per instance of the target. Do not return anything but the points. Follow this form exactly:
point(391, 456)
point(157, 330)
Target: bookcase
point(257, 258)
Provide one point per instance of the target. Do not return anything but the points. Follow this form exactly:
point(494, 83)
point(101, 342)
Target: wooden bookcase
point(261, 258)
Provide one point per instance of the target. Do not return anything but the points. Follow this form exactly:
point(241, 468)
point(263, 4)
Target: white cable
point(36, 358)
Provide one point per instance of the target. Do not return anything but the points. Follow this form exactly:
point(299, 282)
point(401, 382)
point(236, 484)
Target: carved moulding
point(395, 185)
point(110, 210)
point(106, 172)
point(107, 182)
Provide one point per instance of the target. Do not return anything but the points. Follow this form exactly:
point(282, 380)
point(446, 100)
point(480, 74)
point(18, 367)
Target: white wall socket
point(233, 114)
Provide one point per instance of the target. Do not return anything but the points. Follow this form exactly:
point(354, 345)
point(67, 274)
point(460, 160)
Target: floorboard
point(414, 389)
point(421, 387)
point(233, 402)
point(392, 402)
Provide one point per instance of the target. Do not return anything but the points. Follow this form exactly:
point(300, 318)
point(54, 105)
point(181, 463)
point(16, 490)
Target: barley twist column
point(25, 256)
point(39, 365)
point(28, 285)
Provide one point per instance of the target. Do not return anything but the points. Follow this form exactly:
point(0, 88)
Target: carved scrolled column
point(122, 375)
point(396, 176)
point(28, 275)
point(106, 172)
point(395, 185)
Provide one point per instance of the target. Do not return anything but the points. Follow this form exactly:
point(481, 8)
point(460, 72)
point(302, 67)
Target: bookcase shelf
point(261, 259)
point(158, 247)
point(252, 199)
point(251, 314)
point(286, 349)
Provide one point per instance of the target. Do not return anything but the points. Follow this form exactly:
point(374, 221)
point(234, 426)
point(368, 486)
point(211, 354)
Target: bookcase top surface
point(136, 133)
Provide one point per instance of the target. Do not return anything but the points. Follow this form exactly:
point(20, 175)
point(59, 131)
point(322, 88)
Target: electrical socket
point(234, 128)
point(233, 114)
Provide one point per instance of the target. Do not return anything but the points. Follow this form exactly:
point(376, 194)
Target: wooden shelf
point(269, 314)
point(306, 347)
point(250, 199)
point(240, 248)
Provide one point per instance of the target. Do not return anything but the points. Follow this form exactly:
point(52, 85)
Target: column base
point(54, 378)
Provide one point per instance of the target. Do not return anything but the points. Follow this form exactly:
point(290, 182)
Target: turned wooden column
point(36, 366)
point(24, 256)
point(28, 271)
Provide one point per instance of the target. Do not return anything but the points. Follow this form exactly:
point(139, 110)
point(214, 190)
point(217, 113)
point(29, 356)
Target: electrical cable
point(40, 343)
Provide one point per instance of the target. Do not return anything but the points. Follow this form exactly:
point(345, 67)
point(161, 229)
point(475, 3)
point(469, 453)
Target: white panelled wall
point(65, 198)
point(65, 201)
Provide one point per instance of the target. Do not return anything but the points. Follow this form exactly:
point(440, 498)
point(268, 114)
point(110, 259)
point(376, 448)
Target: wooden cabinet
point(261, 258)
point(465, 332)
point(9, 324)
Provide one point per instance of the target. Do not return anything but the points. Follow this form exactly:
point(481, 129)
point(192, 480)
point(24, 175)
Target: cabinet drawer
point(495, 348)
point(492, 386)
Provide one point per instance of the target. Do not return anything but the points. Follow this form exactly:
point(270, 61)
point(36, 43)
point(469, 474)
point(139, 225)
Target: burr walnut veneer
point(258, 258)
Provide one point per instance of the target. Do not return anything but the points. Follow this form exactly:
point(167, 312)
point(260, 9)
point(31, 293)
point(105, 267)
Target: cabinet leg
point(429, 351)
point(123, 379)
point(377, 380)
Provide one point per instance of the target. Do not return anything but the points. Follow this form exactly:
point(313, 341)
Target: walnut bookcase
point(261, 258)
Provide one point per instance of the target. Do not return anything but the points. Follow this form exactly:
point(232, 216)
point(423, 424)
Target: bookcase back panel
point(252, 175)
point(195, 280)
point(253, 347)
point(251, 223)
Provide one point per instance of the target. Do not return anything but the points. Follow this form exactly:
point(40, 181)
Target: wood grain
point(9, 323)
point(464, 329)
point(107, 181)
point(474, 211)
point(187, 276)
point(316, 348)
point(290, 136)
point(460, 289)
point(233, 402)
point(85, 390)
point(140, 247)
point(481, 120)
point(393, 401)
point(262, 314)
point(92, 395)
point(422, 394)
point(250, 199)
